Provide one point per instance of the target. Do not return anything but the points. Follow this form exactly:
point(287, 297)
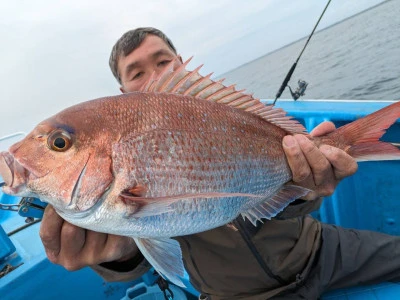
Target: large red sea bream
point(184, 155)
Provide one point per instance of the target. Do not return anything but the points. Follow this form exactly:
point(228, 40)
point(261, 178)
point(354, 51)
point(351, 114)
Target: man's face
point(152, 55)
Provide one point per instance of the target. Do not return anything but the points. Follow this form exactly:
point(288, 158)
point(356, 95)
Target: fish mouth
point(6, 168)
point(13, 173)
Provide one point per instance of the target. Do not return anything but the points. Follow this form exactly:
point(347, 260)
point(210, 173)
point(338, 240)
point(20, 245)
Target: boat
point(366, 200)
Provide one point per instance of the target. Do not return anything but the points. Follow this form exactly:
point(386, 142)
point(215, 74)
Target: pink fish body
point(182, 156)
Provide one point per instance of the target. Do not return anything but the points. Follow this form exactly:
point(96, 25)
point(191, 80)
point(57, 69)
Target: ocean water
point(358, 58)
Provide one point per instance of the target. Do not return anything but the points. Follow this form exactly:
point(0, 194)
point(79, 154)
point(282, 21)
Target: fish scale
point(199, 145)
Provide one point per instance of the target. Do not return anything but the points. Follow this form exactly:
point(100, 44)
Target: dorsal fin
point(184, 82)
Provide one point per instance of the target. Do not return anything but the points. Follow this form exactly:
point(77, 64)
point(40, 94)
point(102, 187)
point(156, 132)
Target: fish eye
point(59, 141)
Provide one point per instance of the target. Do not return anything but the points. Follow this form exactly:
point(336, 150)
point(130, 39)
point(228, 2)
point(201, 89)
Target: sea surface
point(358, 58)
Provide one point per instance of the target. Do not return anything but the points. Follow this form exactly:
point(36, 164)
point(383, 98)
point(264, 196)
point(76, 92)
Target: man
point(292, 255)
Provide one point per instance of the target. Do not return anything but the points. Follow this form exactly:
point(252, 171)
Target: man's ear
point(122, 90)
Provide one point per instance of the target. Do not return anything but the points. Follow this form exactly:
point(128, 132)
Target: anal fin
point(274, 205)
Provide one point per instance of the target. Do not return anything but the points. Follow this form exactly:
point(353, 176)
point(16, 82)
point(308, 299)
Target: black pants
point(348, 258)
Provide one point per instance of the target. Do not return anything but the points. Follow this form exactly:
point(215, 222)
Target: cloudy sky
point(55, 53)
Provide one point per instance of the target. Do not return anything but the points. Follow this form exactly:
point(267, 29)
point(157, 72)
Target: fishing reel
point(300, 89)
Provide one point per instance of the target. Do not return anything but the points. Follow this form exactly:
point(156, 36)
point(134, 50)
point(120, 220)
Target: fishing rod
point(302, 84)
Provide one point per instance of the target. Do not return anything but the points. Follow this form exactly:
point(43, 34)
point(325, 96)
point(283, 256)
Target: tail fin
point(360, 138)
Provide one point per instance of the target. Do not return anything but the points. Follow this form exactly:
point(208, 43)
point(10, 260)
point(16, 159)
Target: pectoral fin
point(165, 256)
point(151, 206)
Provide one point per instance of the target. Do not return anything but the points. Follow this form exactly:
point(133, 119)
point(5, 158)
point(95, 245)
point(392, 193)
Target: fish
point(183, 155)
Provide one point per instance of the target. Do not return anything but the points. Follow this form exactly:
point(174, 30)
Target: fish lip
point(7, 168)
point(14, 174)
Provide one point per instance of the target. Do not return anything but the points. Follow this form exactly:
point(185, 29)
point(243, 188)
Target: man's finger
point(343, 164)
point(296, 160)
point(323, 128)
point(319, 165)
point(120, 248)
point(94, 250)
point(72, 240)
point(50, 231)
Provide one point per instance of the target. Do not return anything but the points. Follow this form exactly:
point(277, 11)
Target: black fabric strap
point(124, 266)
point(244, 232)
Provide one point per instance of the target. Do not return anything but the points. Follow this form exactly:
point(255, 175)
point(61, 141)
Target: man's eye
point(137, 75)
point(163, 63)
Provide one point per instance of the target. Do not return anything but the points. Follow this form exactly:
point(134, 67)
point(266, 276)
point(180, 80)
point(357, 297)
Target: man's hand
point(318, 169)
point(74, 247)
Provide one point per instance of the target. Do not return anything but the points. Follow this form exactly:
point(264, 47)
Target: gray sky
point(54, 54)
